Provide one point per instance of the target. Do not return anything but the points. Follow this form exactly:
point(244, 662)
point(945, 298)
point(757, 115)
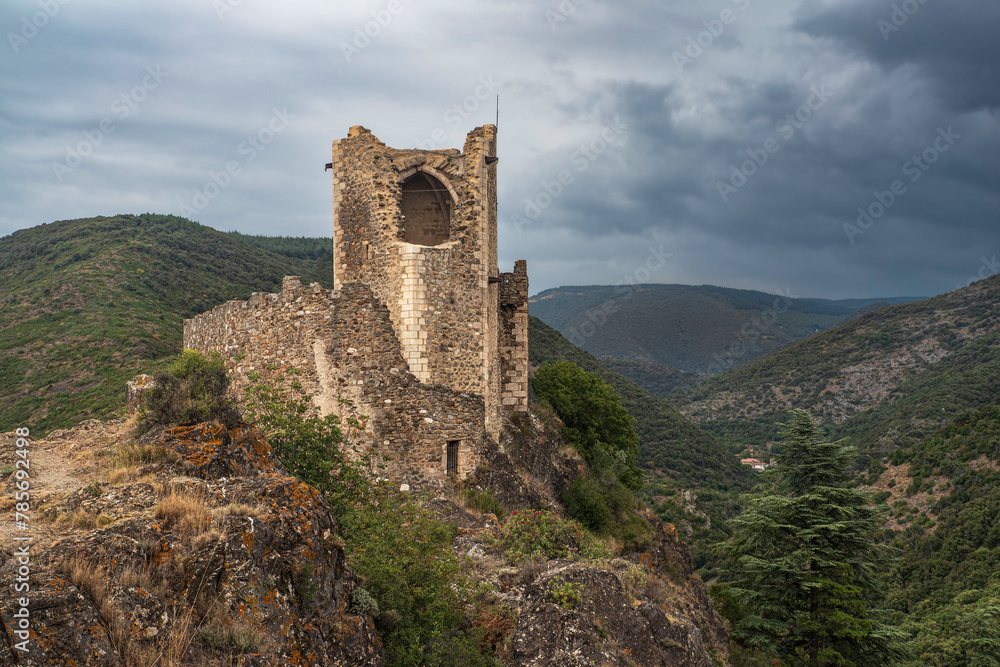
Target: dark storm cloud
point(954, 43)
point(628, 130)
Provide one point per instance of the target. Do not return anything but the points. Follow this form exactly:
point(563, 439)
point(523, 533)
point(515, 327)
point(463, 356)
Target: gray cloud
point(644, 109)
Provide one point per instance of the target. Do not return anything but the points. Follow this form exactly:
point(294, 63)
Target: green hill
point(655, 378)
point(87, 304)
point(693, 480)
point(886, 379)
point(944, 494)
point(699, 329)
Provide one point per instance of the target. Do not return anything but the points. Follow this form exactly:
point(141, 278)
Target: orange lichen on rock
point(166, 582)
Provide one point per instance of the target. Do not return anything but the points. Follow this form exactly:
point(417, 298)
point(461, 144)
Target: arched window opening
point(426, 210)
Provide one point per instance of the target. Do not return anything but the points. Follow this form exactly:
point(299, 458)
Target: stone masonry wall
point(443, 307)
point(342, 345)
point(514, 337)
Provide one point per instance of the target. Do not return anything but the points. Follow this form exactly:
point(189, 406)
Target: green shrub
point(566, 594)
point(192, 390)
point(459, 649)
point(584, 501)
point(362, 602)
point(594, 421)
point(483, 501)
point(537, 532)
point(634, 532)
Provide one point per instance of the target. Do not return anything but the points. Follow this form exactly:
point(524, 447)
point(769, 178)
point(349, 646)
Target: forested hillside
point(301, 247)
point(885, 380)
point(699, 329)
point(86, 304)
point(944, 495)
point(693, 481)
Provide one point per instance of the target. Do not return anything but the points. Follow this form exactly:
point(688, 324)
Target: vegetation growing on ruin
point(401, 551)
point(193, 389)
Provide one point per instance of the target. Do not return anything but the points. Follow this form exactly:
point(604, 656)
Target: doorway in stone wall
point(452, 456)
point(426, 207)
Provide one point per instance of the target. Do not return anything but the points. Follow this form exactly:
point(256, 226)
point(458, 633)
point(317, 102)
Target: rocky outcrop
point(646, 609)
point(604, 627)
point(134, 391)
point(214, 556)
point(530, 467)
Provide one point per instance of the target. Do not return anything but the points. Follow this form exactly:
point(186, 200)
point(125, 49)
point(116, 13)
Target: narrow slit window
point(452, 457)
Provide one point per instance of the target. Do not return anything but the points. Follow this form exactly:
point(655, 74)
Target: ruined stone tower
point(420, 227)
point(421, 339)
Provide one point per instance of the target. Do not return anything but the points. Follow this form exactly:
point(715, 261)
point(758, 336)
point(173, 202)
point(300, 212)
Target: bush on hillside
point(193, 389)
point(595, 422)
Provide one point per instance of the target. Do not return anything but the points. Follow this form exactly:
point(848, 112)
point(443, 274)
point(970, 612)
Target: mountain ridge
point(698, 329)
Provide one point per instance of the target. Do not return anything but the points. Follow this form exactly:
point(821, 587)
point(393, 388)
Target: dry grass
point(130, 455)
point(240, 509)
point(145, 579)
point(635, 580)
point(528, 570)
point(122, 476)
point(233, 638)
point(79, 520)
point(185, 514)
point(205, 539)
point(133, 453)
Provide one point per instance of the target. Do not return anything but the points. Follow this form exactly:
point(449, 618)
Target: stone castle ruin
point(421, 333)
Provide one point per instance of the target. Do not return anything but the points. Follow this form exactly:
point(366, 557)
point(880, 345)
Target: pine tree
point(805, 556)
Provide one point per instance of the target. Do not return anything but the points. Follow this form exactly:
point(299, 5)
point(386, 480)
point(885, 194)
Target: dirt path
point(59, 465)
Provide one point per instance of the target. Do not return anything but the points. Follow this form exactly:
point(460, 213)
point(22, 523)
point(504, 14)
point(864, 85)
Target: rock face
point(204, 552)
point(214, 556)
point(647, 610)
point(530, 468)
point(134, 391)
point(602, 628)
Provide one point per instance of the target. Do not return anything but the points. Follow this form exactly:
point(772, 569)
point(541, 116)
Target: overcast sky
point(727, 142)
